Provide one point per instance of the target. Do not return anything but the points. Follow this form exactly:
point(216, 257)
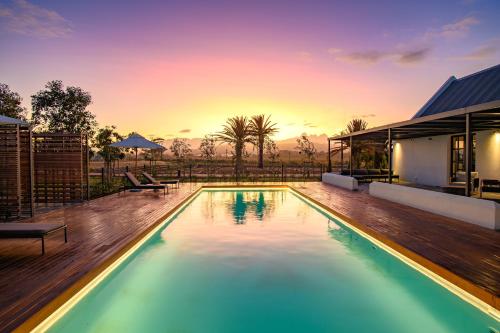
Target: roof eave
point(451, 113)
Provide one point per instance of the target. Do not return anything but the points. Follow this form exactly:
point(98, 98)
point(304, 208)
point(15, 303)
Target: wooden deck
point(96, 230)
point(100, 229)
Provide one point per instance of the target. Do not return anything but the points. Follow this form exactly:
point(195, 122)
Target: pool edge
point(462, 284)
point(60, 300)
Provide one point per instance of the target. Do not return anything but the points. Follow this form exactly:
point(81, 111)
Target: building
point(452, 142)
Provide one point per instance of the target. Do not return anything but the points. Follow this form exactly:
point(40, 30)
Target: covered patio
point(466, 121)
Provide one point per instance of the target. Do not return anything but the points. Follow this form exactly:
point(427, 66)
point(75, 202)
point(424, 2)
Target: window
point(458, 154)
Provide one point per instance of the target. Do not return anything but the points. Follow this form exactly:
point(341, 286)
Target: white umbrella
point(136, 141)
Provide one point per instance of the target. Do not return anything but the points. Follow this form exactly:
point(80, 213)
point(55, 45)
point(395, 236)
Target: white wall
point(427, 162)
point(485, 213)
point(423, 161)
point(488, 154)
point(346, 182)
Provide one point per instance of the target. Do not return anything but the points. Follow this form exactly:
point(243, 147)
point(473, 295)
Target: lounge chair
point(137, 185)
point(31, 230)
point(154, 181)
point(489, 185)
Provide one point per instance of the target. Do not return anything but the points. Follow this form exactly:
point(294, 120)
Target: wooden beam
point(31, 173)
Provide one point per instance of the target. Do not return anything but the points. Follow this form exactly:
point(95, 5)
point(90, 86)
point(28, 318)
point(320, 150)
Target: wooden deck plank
point(97, 230)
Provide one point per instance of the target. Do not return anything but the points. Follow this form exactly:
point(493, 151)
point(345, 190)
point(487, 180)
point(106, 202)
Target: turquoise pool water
point(266, 261)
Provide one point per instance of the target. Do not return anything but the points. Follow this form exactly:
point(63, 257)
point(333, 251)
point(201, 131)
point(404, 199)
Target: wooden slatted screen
point(15, 174)
point(9, 168)
point(60, 168)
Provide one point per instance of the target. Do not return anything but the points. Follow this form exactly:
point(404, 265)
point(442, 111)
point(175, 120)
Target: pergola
point(478, 117)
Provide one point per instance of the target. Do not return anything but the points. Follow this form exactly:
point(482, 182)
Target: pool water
point(266, 261)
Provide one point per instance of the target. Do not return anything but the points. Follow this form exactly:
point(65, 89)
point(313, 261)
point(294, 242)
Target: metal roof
point(4, 120)
point(477, 88)
point(485, 116)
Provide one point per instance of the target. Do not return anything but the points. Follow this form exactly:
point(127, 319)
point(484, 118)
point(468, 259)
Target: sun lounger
point(137, 185)
point(31, 230)
point(154, 181)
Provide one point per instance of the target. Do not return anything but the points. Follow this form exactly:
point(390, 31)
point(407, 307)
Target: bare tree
point(271, 149)
point(180, 148)
point(208, 150)
point(306, 147)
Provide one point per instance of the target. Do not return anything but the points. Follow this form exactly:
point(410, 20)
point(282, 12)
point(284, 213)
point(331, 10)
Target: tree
point(63, 110)
point(306, 147)
point(272, 150)
point(10, 103)
point(236, 132)
point(104, 137)
point(261, 128)
point(356, 125)
point(208, 150)
point(180, 148)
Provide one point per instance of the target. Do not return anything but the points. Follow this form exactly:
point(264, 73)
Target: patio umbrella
point(136, 141)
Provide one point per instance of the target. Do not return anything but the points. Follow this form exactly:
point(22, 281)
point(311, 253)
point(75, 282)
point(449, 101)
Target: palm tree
point(261, 128)
point(236, 132)
point(356, 125)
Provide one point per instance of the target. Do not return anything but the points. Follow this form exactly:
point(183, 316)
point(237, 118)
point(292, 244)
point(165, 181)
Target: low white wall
point(347, 182)
point(477, 211)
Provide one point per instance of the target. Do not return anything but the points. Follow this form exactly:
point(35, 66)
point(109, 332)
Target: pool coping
point(464, 286)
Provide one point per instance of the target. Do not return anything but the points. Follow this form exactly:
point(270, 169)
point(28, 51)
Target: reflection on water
point(266, 261)
point(255, 203)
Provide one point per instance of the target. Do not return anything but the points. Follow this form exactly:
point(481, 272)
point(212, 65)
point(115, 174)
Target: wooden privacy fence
point(15, 172)
point(40, 170)
point(60, 168)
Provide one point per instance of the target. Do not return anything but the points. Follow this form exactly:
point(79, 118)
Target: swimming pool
point(266, 261)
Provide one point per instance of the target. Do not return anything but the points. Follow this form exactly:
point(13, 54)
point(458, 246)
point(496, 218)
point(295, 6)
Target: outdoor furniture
point(137, 185)
point(154, 181)
point(368, 175)
point(489, 185)
point(31, 230)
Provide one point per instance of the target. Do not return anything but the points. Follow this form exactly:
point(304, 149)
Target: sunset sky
point(180, 68)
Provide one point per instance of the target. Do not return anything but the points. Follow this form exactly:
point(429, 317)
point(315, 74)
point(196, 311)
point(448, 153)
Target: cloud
point(364, 57)
point(333, 50)
point(486, 51)
point(459, 28)
point(25, 18)
point(186, 130)
point(310, 125)
point(415, 51)
point(304, 56)
point(413, 56)
point(370, 57)
point(456, 29)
